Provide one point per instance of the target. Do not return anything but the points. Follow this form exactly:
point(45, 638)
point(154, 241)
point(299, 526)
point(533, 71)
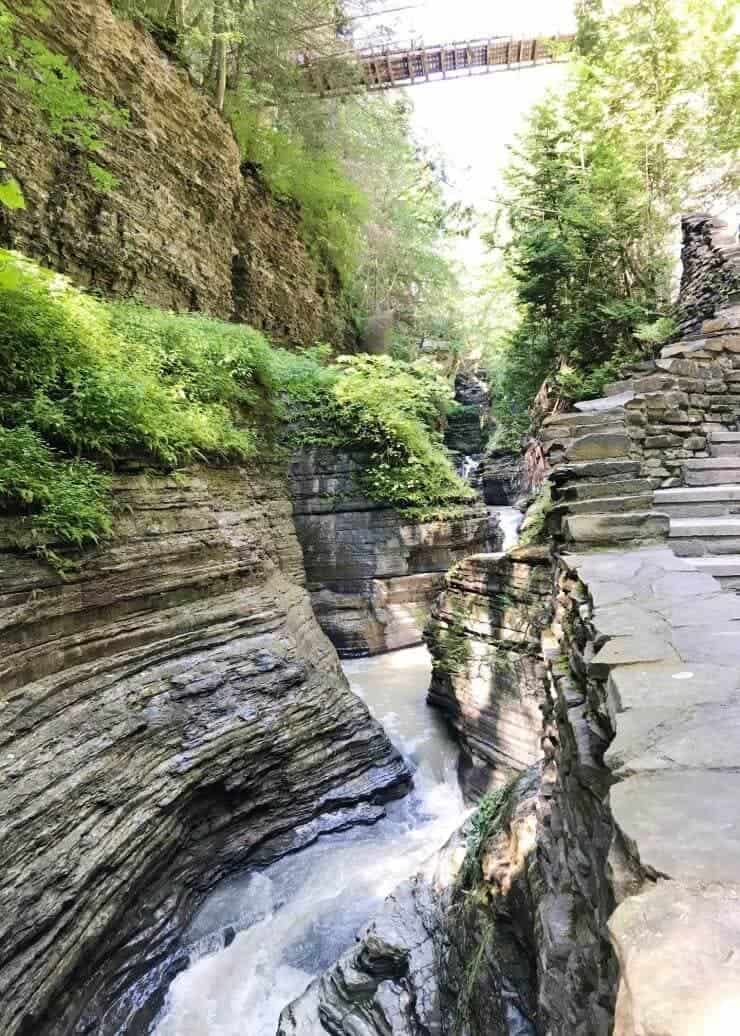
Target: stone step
point(712, 471)
point(724, 444)
point(699, 501)
point(596, 469)
point(598, 529)
point(724, 449)
point(723, 436)
point(705, 528)
point(603, 403)
point(697, 537)
point(725, 569)
point(658, 382)
point(606, 505)
point(606, 489)
point(599, 446)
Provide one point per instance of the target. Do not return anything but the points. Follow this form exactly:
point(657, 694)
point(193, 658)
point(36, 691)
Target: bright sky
point(472, 121)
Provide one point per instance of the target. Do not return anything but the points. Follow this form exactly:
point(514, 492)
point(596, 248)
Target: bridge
point(393, 66)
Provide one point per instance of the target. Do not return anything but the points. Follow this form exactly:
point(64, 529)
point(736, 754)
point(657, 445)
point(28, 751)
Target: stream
point(293, 919)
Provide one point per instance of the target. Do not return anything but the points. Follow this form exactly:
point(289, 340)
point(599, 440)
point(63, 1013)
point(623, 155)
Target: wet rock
point(171, 712)
point(387, 983)
point(503, 476)
point(488, 674)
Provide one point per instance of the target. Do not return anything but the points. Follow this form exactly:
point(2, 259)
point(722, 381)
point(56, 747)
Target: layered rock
point(185, 227)
point(372, 573)
point(710, 257)
point(488, 673)
point(171, 712)
point(628, 881)
point(467, 424)
point(502, 476)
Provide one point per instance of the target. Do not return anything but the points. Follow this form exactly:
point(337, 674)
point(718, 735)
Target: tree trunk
point(221, 87)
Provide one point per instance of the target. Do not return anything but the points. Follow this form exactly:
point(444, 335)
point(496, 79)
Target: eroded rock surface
point(373, 575)
point(185, 228)
point(488, 675)
point(170, 712)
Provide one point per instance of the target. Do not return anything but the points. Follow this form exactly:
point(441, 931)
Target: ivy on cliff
point(56, 90)
point(88, 384)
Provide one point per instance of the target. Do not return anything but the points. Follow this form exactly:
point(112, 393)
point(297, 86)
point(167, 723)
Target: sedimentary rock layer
point(372, 573)
point(488, 674)
point(171, 711)
point(185, 227)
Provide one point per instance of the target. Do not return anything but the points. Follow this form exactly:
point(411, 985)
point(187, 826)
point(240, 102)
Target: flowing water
point(509, 518)
point(295, 918)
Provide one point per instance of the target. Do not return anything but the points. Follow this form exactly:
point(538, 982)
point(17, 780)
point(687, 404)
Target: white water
point(510, 518)
point(295, 918)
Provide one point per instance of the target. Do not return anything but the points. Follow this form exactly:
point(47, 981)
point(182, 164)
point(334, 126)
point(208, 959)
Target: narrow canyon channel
point(290, 921)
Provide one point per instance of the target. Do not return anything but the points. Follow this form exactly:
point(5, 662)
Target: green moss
point(533, 530)
point(492, 813)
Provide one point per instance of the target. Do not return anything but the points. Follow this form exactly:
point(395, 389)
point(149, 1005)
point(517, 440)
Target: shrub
point(394, 410)
point(88, 383)
point(87, 379)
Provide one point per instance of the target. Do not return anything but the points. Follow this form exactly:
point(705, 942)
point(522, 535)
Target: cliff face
point(488, 672)
point(373, 575)
point(185, 228)
point(170, 712)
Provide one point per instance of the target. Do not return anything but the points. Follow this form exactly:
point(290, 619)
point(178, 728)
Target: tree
point(597, 181)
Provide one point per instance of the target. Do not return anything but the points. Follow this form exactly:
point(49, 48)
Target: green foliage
point(11, 195)
point(82, 378)
point(594, 192)
point(492, 814)
point(58, 499)
point(56, 90)
point(657, 332)
point(392, 409)
point(86, 379)
point(449, 646)
point(534, 526)
point(332, 208)
point(105, 181)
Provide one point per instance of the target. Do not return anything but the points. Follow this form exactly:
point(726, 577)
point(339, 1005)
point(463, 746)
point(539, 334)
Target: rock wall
point(186, 228)
point(171, 712)
point(502, 476)
point(372, 575)
point(488, 674)
point(671, 422)
point(710, 258)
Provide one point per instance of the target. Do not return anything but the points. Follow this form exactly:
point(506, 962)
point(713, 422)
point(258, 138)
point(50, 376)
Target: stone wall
point(710, 273)
point(186, 228)
point(171, 712)
point(373, 575)
point(597, 891)
point(655, 428)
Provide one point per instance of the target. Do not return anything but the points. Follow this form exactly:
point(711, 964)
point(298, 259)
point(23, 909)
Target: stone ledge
point(664, 638)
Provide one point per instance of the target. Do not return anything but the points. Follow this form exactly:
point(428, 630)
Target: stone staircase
point(658, 456)
point(705, 514)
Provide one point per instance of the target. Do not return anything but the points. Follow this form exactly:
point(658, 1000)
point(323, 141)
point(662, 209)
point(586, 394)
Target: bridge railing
point(394, 65)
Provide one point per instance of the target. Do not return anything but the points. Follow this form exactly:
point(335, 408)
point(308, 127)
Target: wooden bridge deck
point(394, 66)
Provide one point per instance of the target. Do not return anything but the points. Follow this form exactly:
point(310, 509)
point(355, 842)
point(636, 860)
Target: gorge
point(307, 729)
